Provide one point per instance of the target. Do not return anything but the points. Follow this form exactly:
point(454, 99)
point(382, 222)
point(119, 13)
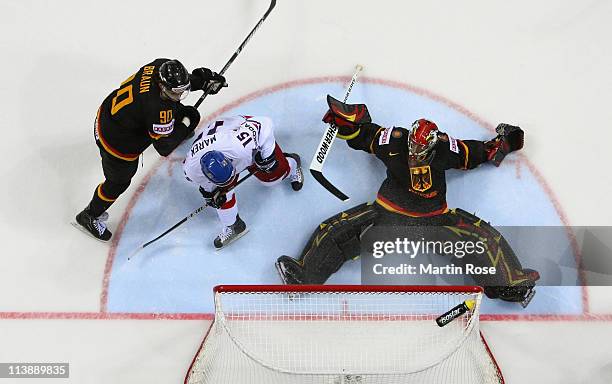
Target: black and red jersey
point(135, 115)
point(411, 189)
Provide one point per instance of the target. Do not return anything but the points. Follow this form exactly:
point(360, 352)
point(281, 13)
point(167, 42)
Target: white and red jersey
point(237, 137)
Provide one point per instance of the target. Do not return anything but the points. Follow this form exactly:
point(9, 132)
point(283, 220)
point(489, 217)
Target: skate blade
point(234, 239)
point(291, 296)
point(85, 231)
point(280, 273)
point(528, 299)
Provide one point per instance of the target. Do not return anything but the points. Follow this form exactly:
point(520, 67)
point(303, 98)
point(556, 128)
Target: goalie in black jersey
point(144, 110)
point(413, 194)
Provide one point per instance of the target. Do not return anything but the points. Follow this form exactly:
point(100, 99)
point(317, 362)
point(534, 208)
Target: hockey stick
point(316, 166)
point(190, 216)
point(240, 48)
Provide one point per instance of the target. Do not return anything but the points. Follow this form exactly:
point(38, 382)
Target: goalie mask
point(421, 140)
point(173, 80)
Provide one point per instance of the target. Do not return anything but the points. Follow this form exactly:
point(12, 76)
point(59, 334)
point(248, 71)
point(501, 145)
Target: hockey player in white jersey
point(222, 151)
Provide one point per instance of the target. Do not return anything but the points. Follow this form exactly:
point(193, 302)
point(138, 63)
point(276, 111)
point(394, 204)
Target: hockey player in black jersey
point(144, 110)
point(413, 194)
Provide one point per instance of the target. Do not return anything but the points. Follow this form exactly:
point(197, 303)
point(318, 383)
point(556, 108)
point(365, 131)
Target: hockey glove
point(346, 117)
point(206, 80)
point(189, 116)
point(509, 138)
point(214, 199)
point(267, 164)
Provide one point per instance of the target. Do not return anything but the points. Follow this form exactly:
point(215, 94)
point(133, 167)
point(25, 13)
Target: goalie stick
point(240, 48)
point(324, 147)
point(190, 216)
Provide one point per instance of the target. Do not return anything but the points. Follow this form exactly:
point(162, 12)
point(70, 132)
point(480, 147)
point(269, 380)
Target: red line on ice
point(103, 316)
point(210, 316)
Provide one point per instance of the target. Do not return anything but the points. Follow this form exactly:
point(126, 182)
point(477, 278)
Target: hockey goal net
point(343, 334)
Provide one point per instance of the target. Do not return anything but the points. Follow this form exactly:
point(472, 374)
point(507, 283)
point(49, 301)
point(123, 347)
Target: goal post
point(332, 334)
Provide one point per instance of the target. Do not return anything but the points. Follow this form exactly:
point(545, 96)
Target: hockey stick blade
point(318, 175)
point(183, 220)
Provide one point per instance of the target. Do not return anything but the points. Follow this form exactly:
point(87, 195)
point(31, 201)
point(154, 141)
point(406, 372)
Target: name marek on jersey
point(199, 145)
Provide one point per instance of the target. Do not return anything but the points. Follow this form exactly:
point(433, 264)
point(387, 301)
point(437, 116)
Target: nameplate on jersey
point(385, 136)
point(202, 143)
point(163, 129)
point(453, 144)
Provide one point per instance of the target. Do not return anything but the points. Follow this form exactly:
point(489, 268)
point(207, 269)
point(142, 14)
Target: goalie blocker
point(346, 117)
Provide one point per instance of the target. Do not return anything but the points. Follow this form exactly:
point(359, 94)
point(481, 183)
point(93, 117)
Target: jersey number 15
point(244, 138)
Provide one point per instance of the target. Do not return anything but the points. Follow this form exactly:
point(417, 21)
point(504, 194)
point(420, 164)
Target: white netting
point(342, 337)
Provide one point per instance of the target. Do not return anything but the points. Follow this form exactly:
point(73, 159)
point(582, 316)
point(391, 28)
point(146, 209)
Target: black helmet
point(174, 80)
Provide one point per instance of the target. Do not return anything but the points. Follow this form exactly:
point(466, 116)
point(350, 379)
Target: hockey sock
point(229, 211)
point(105, 195)
point(100, 201)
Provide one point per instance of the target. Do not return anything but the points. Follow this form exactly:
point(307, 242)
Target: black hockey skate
point(94, 226)
point(231, 233)
point(290, 270)
point(297, 180)
point(521, 293)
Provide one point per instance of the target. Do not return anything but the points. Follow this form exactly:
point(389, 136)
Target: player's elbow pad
point(164, 150)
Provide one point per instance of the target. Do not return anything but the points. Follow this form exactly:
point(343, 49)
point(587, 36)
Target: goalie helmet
point(218, 168)
point(421, 140)
point(173, 80)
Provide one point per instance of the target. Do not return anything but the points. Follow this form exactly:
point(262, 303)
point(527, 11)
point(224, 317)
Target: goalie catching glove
point(509, 138)
point(346, 117)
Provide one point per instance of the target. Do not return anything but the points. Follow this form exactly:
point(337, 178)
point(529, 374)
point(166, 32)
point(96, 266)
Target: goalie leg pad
point(521, 293)
point(498, 253)
point(335, 241)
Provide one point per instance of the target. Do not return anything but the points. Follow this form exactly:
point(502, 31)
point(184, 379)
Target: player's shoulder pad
point(392, 135)
point(259, 119)
point(448, 141)
point(260, 122)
